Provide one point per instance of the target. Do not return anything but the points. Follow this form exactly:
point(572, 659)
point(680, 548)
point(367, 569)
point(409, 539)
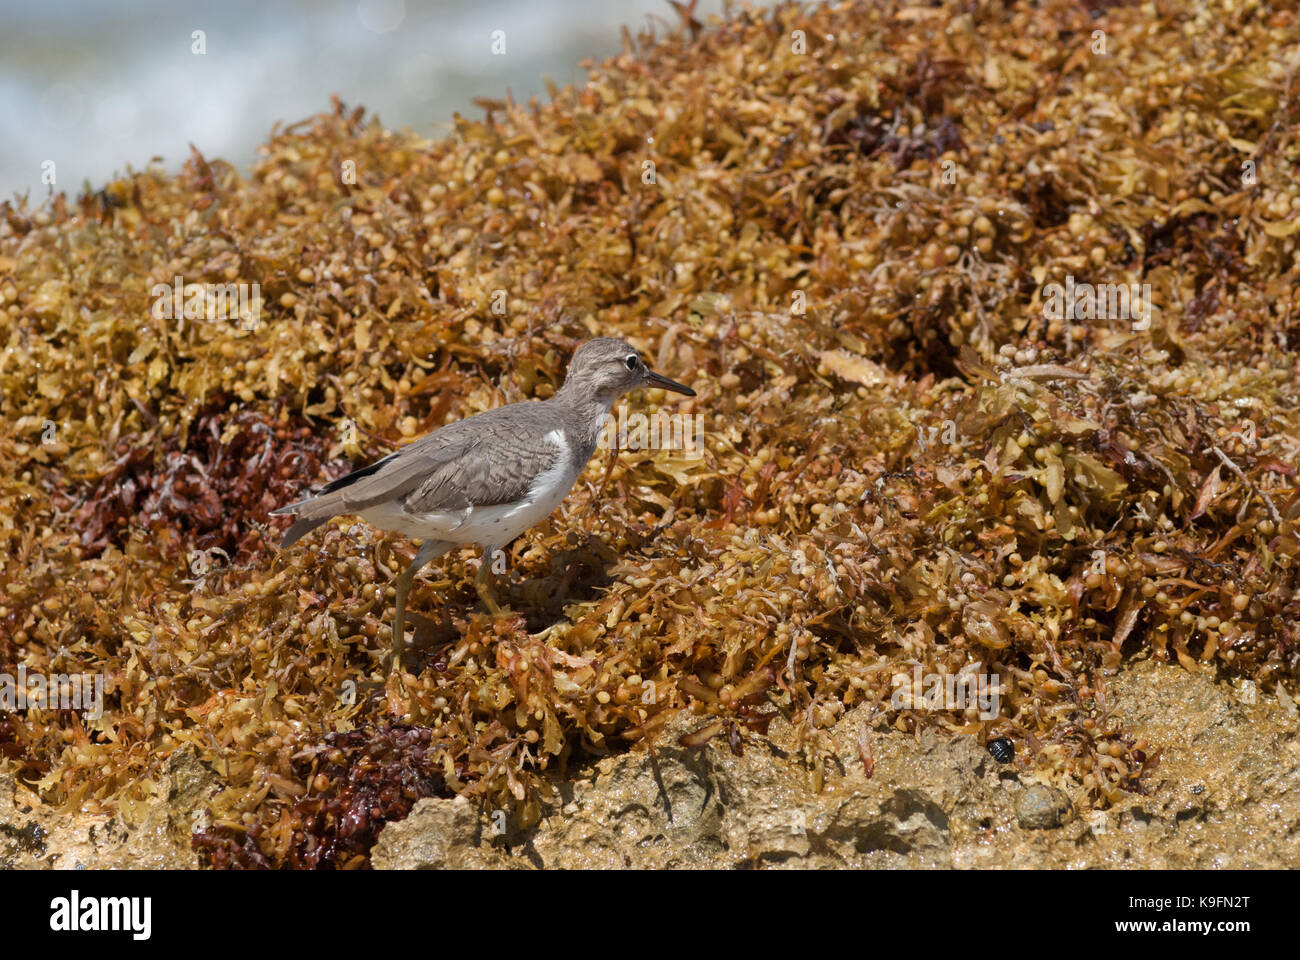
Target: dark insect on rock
point(1002, 749)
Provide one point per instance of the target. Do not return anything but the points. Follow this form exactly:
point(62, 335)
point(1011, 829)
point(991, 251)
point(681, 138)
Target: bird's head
point(607, 368)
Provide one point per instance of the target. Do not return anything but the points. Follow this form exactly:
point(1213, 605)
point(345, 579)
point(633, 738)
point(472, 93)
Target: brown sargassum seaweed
point(843, 250)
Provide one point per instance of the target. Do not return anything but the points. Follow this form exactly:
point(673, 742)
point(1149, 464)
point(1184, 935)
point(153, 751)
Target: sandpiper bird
point(485, 479)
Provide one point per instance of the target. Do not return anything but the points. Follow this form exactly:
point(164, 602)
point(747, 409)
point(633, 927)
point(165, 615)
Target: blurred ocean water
point(94, 86)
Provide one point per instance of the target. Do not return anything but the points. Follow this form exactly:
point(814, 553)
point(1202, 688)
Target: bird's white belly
point(490, 526)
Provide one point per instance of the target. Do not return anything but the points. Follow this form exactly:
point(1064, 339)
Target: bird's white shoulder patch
point(555, 476)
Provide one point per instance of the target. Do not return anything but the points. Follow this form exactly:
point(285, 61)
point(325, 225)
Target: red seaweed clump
point(208, 492)
point(357, 782)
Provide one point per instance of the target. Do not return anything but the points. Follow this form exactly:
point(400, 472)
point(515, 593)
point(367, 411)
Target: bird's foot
point(397, 694)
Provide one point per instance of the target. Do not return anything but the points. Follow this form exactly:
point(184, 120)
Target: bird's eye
point(632, 362)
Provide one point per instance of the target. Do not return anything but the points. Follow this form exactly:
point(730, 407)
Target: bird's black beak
point(659, 380)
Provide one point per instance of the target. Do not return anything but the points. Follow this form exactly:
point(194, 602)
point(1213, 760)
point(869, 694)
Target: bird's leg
point(399, 628)
point(483, 585)
point(428, 550)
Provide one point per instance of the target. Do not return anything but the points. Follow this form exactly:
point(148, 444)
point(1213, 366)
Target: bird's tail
point(308, 514)
point(299, 530)
point(326, 505)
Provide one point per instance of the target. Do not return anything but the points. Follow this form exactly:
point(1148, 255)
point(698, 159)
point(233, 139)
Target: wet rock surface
point(35, 836)
point(931, 801)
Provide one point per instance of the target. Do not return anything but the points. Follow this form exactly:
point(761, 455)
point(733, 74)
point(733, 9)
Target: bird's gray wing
point(498, 465)
point(449, 469)
point(388, 479)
